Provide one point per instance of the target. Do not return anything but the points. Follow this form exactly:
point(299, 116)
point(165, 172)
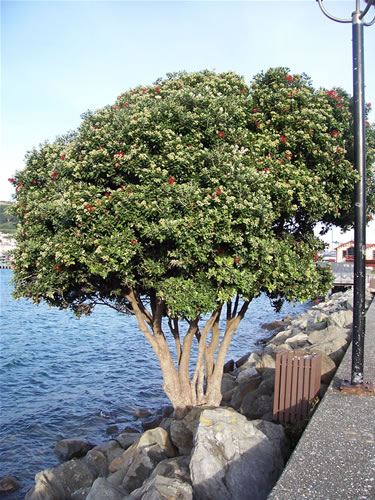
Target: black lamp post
point(359, 317)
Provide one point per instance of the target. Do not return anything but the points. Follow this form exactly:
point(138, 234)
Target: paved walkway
point(335, 457)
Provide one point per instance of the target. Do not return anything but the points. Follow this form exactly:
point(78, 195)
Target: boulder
point(240, 392)
point(181, 431)
point(142, 413)
point(170, 478)
point(135, 465)
point(234, 459)
point(152, 422)
point(162, 488)
point(8, 484)
point(97, 462)
point(72, 448)
point(228, 383)
point(245, 375)
point(103, 490)
point(328, 334)
point(126, 439)
point(297, 340)
point(60, 482)
point(80, 494)
point(229, 366)
point(257, 403)
point(328, 367)
point(110, 449)
point(266, 362)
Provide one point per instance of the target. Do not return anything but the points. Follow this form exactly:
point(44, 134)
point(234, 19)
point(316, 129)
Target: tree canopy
point(186, 194)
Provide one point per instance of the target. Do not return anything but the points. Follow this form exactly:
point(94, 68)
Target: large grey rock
point(97, 462)
point(181, 431)
point(60, 482)
point(8, 484)
point(72, 448)
point(341, 319)
point(266, 362)
point(170, 478)
point(228, 383)
point(163, 488)
point(297, 340)
point(245, 375)
point(135, 465)
point(328, 334)
point(240, 392)
point(126, 439)
point(110, 449)
point(328, 367)
point(103, 490)
point(233, 458)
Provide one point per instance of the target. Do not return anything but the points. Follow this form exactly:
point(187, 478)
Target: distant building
point(7, 244)
point(345, 253)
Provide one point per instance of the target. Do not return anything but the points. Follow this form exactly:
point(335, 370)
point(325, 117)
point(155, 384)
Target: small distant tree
point(183, 202)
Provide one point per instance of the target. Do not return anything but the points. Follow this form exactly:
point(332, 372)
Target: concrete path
point(335, 457)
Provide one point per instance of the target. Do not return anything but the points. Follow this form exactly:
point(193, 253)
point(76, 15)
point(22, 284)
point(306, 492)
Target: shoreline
point(247, 389)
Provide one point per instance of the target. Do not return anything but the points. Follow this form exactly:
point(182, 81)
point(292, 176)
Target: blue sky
point(60, 58)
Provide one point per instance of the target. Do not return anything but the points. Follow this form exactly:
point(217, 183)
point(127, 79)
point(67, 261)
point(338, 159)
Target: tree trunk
point(204, 388)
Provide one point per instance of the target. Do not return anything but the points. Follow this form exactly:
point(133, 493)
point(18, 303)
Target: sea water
point(65, 377)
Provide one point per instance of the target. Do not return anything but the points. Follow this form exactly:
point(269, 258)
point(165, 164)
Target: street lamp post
point(359, 317)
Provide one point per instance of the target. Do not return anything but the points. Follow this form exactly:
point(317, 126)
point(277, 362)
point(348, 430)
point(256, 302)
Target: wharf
point(335, 457)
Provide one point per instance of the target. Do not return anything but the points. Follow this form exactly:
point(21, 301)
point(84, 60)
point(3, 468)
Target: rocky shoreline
point(231, 452)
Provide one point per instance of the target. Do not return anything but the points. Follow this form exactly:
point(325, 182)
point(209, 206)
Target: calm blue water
point(63, 377)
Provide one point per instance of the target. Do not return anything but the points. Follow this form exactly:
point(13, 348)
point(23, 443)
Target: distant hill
point(8, 223)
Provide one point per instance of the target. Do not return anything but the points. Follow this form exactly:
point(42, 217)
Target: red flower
point(243, 91)
point(144, 91)
point(95, 127)
point(288, 155)
point(133, 242)
point(331, 93)
point(340, 106)
point(367, 124)
point(221, 134)
point(369, 105)
point(121, 153)
point(34, 181)
point(11, 179)
point(236, 260)
point(19, 185)
point(283, 139)
point(258, 124)
point(54, 175)
point(125, 104)
point(58, 268)
point(266, 170)
point(334, 133)
point(190, 146)
point(101, 147)
point(218, 192)
point(255, 110)
point(107, 194)
point(289, 78)
point(62, 157)
point(157, 89)
point(89, 207)
point(369, 217)
point(115, 107)
point(129, 192)
point(171, 180)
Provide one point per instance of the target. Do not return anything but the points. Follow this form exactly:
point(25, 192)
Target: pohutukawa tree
point(184, 201)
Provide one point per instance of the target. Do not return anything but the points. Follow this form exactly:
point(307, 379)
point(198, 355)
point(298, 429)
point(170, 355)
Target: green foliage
point(192, 190)
point(8, 223)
